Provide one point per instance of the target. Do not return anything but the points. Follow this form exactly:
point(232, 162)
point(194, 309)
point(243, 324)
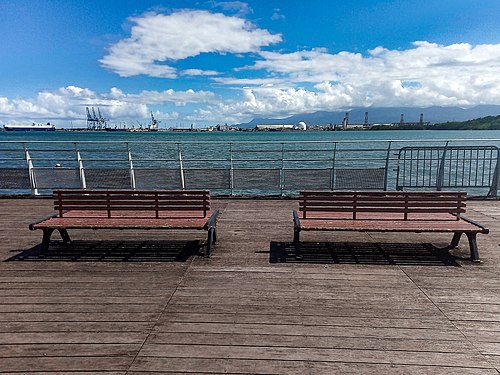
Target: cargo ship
point(32, 127)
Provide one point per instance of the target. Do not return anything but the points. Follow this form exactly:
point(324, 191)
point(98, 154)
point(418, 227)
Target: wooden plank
point(66, 364)
point(301, 330)
point(471, 359)
point(294, 341)
point(68, 350)
point(12, 338)
point(148, 365)
point(37, 316)
point(61, 326)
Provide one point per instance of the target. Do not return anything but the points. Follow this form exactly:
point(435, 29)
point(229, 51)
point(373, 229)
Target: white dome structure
point(301, 125)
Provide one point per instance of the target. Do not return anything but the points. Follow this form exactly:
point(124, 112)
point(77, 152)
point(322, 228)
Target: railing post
point(181, 166)
point(81, 170)
point(131, 167)
point(398, 169)
point(282, 171)
point(332, 176)
point(231, 169)
point(440, 175)
point(31, 171)
point(386, 172)
point(493, 193)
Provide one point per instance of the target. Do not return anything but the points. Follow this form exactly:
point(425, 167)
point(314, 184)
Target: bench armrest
point(31, 226)
point(212, 221)
point(484, 230)
point(296, 220)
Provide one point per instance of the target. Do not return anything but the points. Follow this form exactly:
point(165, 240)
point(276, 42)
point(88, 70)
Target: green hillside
point(483, 123)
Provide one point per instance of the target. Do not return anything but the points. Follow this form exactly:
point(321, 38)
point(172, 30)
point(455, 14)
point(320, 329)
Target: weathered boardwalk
point(113, 309)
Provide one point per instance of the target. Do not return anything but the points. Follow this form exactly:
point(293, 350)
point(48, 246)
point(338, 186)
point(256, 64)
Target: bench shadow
point(413, 254)
point(113, 251)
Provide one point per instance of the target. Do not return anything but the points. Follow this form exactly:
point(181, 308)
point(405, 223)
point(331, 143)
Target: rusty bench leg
point(455, 240)
point(474, 253)
point(296, 242)
point(210, 241)
point(47, 233)
point(65, 236)
point(215, 236)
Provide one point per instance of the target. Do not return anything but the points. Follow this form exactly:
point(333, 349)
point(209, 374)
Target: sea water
point(240, 136)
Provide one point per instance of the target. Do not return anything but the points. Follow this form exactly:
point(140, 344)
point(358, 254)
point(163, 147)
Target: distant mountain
point(384, 115)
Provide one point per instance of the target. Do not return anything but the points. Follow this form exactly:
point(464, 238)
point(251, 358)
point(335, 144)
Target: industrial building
point(274, 127)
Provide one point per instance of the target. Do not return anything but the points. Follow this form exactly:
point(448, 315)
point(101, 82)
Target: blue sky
point(209, 62)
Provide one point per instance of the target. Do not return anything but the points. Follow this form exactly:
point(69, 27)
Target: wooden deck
point(122, 308)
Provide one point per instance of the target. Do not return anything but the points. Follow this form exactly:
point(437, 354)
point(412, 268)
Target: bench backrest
point(395, 202)
point(193, 201)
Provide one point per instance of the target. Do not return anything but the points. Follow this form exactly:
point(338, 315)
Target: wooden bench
point(129, 209)
point(387, 212)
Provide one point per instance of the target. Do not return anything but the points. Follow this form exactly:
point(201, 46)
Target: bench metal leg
point(64, 236)
point(474, 253)
point(455, 240)
point(296, 242)
point(47, 233)
point(210, 242)
point(215, 236)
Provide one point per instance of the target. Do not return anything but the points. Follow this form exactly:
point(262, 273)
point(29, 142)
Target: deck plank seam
point(486, 358)
point(159, 316)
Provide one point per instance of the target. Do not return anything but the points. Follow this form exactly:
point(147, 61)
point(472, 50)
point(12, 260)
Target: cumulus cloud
point(427, 74)
point(158, 40)
point(68, 103)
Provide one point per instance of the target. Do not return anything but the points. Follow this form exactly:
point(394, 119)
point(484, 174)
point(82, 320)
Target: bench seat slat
point(130, 192)
point(382, 204)
point(381, 193)
point(136, 214)
point(122, 223)
point(132, 199)
point(388, 225)
point(131, 208)
point(384, 209)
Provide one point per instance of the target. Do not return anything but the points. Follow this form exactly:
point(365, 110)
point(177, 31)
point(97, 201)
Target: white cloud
point(277, 15)
point(238, 7)
point(426, 75)
point(158, 40)
point(198, 72)
point(68, 103)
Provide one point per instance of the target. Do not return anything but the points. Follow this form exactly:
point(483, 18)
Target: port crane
point(95, 121)
point(154, 123)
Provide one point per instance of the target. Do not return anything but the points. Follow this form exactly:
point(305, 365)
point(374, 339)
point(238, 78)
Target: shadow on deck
point(362, 253)
point(113, 251)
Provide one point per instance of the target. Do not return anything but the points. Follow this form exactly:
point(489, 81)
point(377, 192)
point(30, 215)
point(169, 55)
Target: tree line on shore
point(483, 123)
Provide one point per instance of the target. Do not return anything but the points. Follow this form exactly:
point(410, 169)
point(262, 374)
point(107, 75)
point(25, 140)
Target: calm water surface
point(252, 136)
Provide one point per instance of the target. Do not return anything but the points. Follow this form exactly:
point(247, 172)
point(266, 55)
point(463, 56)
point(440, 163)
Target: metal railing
point(238, 168)
point(449, 167)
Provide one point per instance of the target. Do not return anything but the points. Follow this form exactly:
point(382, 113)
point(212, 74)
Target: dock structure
point(364, 303)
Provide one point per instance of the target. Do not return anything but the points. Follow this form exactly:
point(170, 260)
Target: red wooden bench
point(129, 209)
point(387, 212)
